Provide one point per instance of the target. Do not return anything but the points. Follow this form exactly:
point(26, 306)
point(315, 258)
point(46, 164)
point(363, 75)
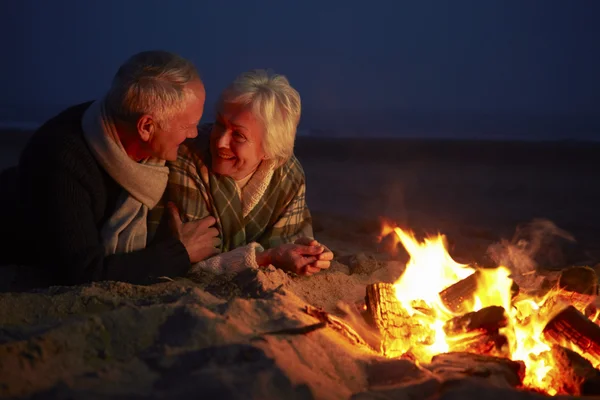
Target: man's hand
point(323, 260)
point(199, 238)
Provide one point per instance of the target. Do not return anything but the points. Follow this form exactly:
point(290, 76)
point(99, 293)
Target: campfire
point(440, 306)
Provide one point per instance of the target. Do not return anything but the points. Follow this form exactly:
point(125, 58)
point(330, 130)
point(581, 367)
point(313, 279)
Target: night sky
point(493, 56)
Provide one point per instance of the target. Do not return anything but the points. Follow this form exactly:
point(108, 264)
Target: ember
point(440, 306)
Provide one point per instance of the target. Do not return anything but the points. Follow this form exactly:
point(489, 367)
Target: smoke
point(538, 244)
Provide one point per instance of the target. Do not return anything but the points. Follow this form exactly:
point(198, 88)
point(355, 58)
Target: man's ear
point(146, 127)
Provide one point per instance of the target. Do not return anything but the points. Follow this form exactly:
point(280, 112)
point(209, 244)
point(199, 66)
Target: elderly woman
point(241, 169)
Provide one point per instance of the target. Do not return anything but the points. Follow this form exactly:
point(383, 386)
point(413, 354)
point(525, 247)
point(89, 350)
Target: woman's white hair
point(274, 102)
point(151, 82)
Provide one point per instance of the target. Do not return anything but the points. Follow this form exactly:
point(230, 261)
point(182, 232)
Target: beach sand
point(210, 339)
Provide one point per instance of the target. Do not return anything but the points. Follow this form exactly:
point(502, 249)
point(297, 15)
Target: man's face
point(164, 143)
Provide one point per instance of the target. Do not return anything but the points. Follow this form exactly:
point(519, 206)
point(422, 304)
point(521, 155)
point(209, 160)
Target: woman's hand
point(323, 260)
point(294, 257)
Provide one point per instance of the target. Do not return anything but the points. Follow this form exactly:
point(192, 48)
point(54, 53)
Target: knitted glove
point(233, 261)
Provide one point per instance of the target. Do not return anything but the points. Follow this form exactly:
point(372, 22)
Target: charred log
point(493, 344)
point(458, 296)
point(382, 304)
point(488, 320)
point(592, 312)
point(576, 374)
point(571, 326)
point(391, 319)
point(578, 286)
point(386, 313)
point(581, 280)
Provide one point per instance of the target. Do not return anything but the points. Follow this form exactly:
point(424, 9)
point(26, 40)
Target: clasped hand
point(305, 256)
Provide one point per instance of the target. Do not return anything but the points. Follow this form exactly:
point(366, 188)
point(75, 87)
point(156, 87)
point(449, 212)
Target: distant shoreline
point(14, 137)
point(17, 136)
point(553, 154)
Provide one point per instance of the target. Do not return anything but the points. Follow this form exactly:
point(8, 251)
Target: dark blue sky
point(493, 55)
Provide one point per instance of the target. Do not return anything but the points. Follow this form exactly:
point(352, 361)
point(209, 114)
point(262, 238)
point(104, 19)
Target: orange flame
point(431, 269)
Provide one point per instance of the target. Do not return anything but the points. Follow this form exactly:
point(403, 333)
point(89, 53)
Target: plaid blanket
point(279, 216)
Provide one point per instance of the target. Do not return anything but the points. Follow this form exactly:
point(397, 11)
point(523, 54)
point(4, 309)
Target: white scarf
point(144, 183)
point(256, 186)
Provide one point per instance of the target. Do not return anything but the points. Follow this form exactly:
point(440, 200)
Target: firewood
point(572, 327)
point(492, 344)
point(456, 296)
point(581, 280)
point(386, 314)
point(397, 329)
point(382, 304)
point(459, 295)
point(576, 374)
point(422, 307)
point(578, 286)
point(592, 312)
point(487, 320)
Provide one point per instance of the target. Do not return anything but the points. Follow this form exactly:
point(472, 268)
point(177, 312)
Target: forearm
point(167, 257)
point(64, 236)
point(89, 264)
point(250, 256)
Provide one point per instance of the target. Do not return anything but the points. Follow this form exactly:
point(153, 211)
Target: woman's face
point(236, 142)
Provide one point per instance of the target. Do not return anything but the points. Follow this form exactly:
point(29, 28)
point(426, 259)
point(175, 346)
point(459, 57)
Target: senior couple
point(130, 188)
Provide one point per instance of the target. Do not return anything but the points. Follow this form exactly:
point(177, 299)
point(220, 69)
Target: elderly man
point(89, 176)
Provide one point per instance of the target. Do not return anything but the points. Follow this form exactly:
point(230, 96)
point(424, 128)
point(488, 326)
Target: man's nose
point(193, 133)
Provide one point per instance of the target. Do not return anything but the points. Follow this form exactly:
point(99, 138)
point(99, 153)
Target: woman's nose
point(223, 140)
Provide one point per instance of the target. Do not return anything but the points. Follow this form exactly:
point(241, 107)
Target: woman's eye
point(239, 137)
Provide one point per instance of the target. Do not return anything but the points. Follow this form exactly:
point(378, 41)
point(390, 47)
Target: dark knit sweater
point(65, 198)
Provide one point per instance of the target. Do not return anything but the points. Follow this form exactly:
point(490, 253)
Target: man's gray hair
point(151, 82)
point(274, 102)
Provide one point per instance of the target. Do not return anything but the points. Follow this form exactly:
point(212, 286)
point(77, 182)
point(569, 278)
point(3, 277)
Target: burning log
point(458, 296)
point(576, 374)
point(396, 327)
point(581, 280)
point(578, 286)
point(488, 320)
point(478, 332)
point(571, 326)
point(493, 344)
point(386, 314)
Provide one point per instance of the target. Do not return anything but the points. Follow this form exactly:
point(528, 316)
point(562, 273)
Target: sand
point(211, 338)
